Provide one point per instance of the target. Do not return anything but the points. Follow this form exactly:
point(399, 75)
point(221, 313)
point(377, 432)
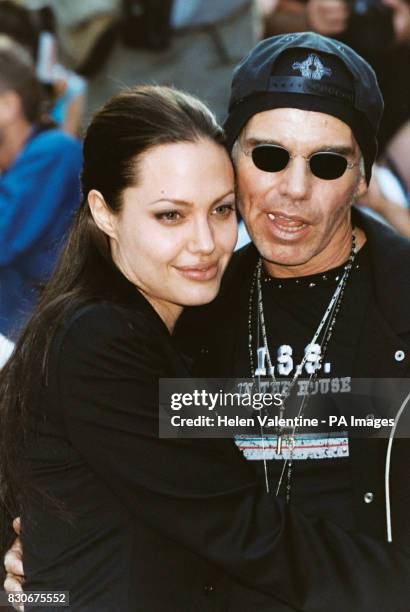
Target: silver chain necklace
point(326, 326)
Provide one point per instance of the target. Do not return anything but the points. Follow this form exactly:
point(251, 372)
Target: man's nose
point(296, 179)
point(202, 237)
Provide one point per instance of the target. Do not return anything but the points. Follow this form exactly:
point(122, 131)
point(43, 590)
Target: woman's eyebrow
point(231, 192)
point(187, 203)
point(173, 201)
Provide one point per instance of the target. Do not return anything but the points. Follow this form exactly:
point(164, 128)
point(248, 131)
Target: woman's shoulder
point(106, 327)
point(105, 318)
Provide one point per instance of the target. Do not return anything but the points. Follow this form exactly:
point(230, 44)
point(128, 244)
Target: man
point(296, 101)
point(302, 124)
point(39, 187)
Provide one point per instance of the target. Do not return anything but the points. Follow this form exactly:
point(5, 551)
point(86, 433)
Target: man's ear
point(362, 187)
point(103, 216)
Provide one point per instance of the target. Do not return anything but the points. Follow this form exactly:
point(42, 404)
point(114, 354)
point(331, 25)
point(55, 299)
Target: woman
point(154, 232)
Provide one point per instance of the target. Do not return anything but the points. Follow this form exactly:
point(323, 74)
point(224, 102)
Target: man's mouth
point(287, 226)
point(287, 222)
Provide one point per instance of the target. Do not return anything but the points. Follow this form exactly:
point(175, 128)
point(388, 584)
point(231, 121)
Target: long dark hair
point(126, 127)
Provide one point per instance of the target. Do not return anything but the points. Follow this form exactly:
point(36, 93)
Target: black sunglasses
point(325, 165)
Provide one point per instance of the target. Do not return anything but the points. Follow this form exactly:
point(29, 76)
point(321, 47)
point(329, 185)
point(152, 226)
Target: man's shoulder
point(363, 218)
point(386, 246)
point(390, 271)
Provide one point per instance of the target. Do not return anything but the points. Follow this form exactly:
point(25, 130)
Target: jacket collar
point(390, 266)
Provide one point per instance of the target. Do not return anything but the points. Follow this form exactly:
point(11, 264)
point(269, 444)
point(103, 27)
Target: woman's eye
point(169, 215)
point(224, 210)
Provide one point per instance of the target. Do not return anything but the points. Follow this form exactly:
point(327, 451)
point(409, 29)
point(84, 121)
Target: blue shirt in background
point(38, 195)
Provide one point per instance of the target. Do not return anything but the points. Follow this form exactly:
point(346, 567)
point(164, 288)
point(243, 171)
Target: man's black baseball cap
point(309, 72)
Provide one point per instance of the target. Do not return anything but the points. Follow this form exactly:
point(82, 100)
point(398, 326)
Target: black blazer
point(162, 524)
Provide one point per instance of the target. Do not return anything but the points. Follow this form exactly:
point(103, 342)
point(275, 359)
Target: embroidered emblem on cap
point(312, 68)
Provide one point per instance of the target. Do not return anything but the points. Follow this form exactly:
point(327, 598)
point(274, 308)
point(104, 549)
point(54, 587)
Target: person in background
point(386, 201)
point(70, 92)
point(399, 152)
point(65, 91)
point(39, 186)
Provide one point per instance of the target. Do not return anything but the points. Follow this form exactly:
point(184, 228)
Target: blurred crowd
point(61, 59)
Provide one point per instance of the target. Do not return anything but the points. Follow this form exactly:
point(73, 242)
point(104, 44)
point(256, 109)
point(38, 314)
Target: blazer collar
point(390, 267)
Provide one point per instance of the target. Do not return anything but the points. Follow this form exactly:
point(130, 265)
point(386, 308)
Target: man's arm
point(401, 19)
point(327, 17)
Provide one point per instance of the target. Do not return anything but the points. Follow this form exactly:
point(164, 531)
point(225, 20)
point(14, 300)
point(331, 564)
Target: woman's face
point(177, 228)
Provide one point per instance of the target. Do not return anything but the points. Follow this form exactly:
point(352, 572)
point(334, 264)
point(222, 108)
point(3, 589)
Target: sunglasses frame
point(249, 153)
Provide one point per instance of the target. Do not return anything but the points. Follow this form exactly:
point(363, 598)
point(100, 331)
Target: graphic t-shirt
point(293, 309)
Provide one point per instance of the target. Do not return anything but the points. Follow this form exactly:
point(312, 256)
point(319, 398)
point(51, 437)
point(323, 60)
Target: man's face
point(294, 217)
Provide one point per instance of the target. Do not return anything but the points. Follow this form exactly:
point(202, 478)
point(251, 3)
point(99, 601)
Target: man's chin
point(288, 257)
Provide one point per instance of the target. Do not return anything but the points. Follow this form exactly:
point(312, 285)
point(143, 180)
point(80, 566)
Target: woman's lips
point(287, 227)
point(199, 273)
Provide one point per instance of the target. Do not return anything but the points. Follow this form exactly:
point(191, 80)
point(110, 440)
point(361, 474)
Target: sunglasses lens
point(270, 158)
point(328, 166)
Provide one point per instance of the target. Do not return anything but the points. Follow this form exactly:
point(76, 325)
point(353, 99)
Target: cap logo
point(312, 68)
